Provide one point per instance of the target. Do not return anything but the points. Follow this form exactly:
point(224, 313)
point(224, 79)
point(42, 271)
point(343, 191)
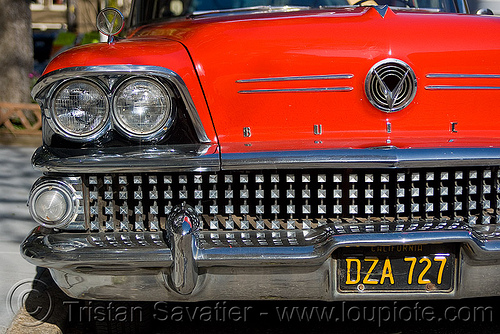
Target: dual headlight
point(140, 108)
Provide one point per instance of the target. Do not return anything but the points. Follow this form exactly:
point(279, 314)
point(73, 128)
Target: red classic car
point(326, 150)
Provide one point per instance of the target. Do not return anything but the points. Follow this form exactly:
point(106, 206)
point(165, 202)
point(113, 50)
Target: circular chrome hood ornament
point(110, 22)
point(390, 85)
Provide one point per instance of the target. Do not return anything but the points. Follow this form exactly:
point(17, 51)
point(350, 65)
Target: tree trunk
point(16, 50)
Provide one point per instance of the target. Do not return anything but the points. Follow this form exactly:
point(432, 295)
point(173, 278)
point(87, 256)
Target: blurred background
point(32, 32)
point(60, 24)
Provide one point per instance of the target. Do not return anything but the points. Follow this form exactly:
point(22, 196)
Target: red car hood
point(236, 57)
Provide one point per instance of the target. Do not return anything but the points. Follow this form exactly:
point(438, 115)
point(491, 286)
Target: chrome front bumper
point(185, 264)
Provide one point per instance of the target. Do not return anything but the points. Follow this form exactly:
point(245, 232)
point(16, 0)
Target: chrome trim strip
point(462, 76)
point(195, 158)
point(445, 87)
point(298, 90)
point(363, 158)
point(95, 71)
point(174, 158)
point(299, 78)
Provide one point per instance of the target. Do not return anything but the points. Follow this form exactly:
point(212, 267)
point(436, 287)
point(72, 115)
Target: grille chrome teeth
point(138, 194)
point(94, 225)
point(139, 225)
point(109, 226)
point(154, 225)
point(153, 194)
point(293, 198)
point(154, 209)
point(229, 224)
point(245, 225)
point(124, 225)
point(214, 224)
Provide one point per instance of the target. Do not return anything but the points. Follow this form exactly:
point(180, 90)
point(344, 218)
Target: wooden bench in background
point(20, 123)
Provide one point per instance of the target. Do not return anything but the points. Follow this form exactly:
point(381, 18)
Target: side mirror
point(484, 11)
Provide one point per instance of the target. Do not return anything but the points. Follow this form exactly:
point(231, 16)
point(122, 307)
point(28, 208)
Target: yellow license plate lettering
point(441, 259)
point(387, 272)
point(367, 279)
point(413, 261)
point(349, 262)
point(421, 279)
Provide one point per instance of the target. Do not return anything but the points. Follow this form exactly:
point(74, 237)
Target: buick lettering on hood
point(319, 150)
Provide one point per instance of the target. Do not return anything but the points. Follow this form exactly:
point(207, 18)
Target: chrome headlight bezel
point(60, 129)
point(109, 77)
point(161, 128)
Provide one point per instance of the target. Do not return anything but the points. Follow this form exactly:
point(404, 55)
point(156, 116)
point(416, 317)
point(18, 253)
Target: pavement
point(16, 177)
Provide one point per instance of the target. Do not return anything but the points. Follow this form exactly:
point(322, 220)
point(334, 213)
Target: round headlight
point(142, 108)
point(53, 204)
point(80, 109)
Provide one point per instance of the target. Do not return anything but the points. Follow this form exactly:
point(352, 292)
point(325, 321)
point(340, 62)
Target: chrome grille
point(294, 199)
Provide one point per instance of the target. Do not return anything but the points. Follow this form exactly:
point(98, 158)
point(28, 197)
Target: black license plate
point(398, 268)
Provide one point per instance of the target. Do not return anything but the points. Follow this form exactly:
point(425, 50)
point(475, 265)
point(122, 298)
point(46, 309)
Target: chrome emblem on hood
point(390, 85)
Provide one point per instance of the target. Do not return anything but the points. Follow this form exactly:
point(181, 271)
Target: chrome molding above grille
point(196, 158)
point(363, 158)
point(182, 157)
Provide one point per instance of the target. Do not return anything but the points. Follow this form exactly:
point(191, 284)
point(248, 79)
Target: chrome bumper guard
point(186, 264)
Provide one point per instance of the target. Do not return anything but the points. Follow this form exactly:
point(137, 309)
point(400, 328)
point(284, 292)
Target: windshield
point(145, 11)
